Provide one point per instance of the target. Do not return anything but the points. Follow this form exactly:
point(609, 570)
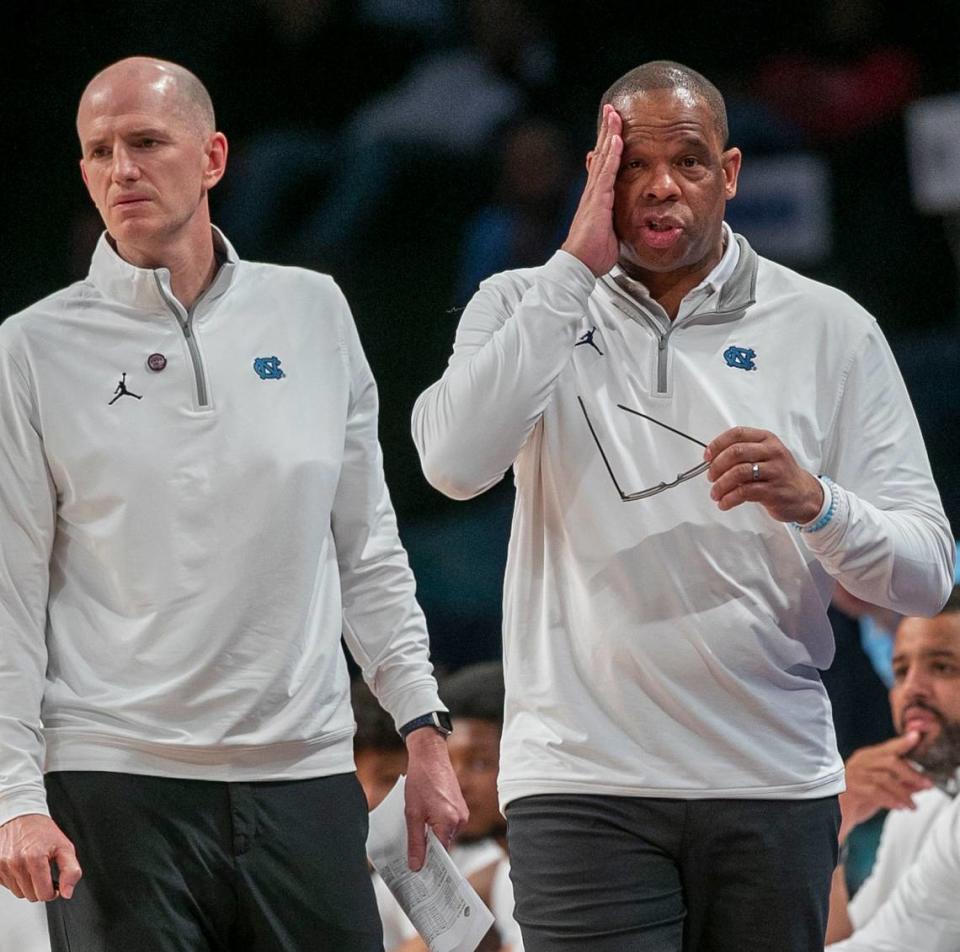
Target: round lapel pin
point(156, 362)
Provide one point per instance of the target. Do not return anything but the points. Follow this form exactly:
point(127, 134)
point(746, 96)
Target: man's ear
point(86, 182)
point(216, 159)
point(730, 163)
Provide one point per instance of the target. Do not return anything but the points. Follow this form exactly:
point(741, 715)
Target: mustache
point(921, 705)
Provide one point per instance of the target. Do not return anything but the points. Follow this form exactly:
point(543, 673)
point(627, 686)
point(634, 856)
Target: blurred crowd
point(413, 148)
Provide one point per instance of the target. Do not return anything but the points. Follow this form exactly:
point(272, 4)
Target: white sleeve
point(502, 905)
point(886, 871)
point(27, 525)
point(889, 542)
point(923, 912)
point(382, 622)
point(515, 337)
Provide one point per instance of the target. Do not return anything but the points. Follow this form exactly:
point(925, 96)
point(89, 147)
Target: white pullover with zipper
point(180, 554)
point(660, 647)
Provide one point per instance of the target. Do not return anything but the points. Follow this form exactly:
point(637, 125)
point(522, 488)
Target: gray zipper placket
point(184, 320)
point(663, 336)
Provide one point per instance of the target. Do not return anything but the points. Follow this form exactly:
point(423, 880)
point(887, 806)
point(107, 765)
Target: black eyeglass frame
point(660, 487)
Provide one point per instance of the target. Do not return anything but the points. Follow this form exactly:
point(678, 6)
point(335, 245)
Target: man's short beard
point(942, 758)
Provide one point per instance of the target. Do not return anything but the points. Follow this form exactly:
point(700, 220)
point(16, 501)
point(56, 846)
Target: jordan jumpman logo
point(587, 339)
point(122, 391)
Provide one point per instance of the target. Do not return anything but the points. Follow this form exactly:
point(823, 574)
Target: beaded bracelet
point(831, 509)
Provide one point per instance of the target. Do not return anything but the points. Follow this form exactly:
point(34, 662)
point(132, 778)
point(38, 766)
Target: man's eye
point(100, 152)
point(689, 161)
point(147, 143)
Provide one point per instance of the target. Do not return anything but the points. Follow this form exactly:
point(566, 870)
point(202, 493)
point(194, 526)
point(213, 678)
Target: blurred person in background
point(378, 749)
point(483, 81)
point(532, 207)
point(909, 901)
point(475, 696)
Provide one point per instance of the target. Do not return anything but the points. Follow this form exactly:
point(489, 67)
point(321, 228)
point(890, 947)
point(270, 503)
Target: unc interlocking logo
point(740, 357)
point(268, 368)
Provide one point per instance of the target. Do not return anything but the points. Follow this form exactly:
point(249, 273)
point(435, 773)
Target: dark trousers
point(201, 866)
point(631, 874)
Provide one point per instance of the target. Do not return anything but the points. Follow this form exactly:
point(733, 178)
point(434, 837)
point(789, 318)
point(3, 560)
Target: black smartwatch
point(438, 720)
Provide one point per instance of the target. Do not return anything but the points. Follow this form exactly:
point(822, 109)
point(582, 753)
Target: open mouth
point(660, 232)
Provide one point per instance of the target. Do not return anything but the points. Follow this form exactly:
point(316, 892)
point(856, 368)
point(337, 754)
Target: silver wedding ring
point(756, 471)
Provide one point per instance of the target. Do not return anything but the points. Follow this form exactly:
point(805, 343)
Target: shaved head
point(665, 74)
point(178, 89)
point(150, 153)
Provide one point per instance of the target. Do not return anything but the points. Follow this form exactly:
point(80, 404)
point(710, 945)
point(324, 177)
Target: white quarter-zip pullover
point(661, 647)
point(181, 548)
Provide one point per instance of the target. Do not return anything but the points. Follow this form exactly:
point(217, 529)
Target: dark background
point(827, 78)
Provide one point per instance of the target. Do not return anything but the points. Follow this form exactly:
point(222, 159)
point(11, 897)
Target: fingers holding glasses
point(753, 465)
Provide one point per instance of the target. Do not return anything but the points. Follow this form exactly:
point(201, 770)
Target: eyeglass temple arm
point(664, 425)
point(603, 455)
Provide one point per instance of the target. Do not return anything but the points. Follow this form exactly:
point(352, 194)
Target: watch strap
point(438, 720)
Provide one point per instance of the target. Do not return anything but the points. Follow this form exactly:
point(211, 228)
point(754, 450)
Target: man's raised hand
point(880, 778)
point(591, 237)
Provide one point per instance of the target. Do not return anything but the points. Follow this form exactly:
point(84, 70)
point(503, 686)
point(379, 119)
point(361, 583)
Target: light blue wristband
point(831, 508)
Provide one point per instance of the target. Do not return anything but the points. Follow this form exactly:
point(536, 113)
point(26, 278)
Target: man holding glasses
point(703, 442)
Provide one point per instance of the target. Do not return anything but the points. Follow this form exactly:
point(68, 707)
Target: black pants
point(626, 874)
point(202, 866)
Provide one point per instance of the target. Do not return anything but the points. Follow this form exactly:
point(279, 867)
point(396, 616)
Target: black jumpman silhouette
point(122, 391)
point(587, 338)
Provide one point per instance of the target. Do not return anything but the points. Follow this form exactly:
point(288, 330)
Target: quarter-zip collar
point(144, 289)
point(951, 786)
point(724, 294)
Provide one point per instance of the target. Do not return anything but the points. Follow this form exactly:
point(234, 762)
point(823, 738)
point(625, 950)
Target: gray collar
point(737, 293)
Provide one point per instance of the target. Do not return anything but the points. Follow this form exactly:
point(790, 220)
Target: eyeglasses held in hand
point(660, 487)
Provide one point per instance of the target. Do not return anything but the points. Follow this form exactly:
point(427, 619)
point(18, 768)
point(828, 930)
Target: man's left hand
point(433, 797)
point(750, 465)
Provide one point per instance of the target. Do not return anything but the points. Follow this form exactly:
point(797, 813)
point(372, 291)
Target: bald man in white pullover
point(192, 512)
